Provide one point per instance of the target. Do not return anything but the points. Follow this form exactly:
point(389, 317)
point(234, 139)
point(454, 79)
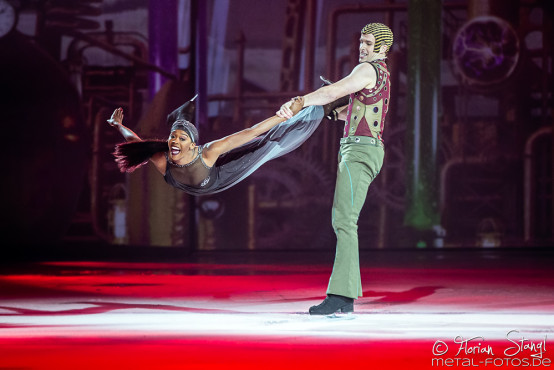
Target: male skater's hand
point(297, 105)
point(291, 107)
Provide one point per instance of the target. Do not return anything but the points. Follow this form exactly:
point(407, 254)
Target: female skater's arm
point(117, 121)
point(216, 148)
point(158, 159)
point(341, 113)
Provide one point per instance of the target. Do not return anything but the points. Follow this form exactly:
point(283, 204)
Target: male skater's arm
point(363, 75)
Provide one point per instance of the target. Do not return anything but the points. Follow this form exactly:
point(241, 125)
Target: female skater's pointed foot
point(333, 303)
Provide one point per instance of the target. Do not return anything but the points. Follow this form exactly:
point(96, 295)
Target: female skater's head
point(183, 136)
point(187, 127)
point(181, 142)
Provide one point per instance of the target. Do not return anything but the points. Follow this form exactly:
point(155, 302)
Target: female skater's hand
point(291, 107)
point(117, 117)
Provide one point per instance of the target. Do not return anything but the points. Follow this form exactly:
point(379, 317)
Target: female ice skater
point(218, 165)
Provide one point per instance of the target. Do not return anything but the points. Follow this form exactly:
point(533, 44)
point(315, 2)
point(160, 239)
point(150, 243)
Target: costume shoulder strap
point(375, 66)
point(200, 149)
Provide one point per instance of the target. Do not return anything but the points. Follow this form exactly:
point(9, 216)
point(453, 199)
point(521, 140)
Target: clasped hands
point(291, 107)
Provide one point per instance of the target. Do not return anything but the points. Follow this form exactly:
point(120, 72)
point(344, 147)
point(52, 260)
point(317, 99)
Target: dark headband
point(186, 126)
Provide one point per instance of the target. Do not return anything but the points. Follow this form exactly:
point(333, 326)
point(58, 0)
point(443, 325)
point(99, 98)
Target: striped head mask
point(383, 35)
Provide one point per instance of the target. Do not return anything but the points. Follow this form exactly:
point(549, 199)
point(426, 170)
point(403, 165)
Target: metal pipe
point(96, 191)
point(162, 40)
point(444, 173)
point(251, 217)
point(240, 78)
point(527, 181)
point(422, 126)
point(311, 6)
point(201, 60)
point(114, 50)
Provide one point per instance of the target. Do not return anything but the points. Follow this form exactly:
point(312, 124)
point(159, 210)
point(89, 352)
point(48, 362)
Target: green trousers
point(360, 160)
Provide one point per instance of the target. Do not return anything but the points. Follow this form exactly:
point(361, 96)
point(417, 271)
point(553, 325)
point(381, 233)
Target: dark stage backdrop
point(468, 138)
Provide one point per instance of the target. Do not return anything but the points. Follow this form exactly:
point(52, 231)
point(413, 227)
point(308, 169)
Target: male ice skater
point(360, 157)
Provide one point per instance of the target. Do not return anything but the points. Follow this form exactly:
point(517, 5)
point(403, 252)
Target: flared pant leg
point(358, 165)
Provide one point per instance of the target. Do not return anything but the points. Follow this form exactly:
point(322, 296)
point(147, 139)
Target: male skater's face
point(367, 44)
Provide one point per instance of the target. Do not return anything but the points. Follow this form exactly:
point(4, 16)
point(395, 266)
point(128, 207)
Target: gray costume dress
point(196, 178)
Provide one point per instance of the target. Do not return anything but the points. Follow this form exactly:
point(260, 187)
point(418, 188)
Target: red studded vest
point(368, 107)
